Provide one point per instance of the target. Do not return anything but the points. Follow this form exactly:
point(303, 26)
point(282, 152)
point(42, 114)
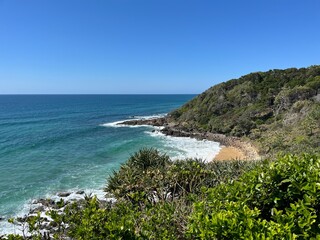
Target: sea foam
point(8, 228)
point(175, 147)
point(122, 123)
point(186, 147)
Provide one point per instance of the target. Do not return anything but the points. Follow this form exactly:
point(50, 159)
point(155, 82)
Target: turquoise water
point(52, 143)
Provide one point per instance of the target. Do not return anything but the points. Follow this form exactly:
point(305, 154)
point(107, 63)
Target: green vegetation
point(192, 200)
point(278, 110)
point(150, 176)
point(277, 200)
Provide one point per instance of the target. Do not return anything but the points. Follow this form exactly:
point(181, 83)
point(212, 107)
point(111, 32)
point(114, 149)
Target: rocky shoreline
point(41, 207)
point(171, 128)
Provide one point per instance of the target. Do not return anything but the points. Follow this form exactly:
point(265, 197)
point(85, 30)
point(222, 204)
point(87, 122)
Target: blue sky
point(150, 46)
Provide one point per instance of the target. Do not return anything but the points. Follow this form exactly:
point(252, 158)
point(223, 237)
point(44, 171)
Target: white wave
point(8, 228)
point(116, 124)
point(100, 194)
point(186, 147)
point(122, 123)
point(119, 124)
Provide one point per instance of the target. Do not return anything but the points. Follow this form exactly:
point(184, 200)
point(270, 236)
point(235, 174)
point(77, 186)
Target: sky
point(150, 46)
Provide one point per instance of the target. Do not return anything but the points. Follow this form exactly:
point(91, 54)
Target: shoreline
point(231, 147)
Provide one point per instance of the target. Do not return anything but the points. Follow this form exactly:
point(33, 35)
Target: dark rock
point(45, 202)
point(37, 209)
point(1, 218)
point(64, 194)
point(80, 192)
point(44, 219)
point(153, 122)
point(53, 224)
point(45, 226)
point(21, 219)
point(39, 201)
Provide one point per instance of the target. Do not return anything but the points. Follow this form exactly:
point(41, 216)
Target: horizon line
point(6, 94)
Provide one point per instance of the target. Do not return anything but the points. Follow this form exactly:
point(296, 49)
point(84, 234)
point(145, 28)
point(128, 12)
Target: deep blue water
point(52, 143)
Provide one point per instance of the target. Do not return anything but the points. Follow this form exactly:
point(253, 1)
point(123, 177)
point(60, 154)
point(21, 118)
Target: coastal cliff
point(277, 110)
point(273, 111)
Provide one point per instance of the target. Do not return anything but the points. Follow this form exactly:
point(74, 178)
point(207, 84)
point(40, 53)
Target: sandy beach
point(230, 153)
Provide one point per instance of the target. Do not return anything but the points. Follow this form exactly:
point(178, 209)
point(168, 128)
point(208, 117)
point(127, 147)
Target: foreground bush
point(219, 200)
point(278, 200)
point(149, 176)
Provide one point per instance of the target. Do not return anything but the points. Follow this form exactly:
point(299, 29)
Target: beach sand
point(230, 153)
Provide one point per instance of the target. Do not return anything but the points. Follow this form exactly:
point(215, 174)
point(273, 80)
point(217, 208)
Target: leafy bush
point(277, 200)
point(94, 222)
point(149, 177)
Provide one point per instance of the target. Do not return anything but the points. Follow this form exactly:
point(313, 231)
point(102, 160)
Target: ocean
point(56, 143)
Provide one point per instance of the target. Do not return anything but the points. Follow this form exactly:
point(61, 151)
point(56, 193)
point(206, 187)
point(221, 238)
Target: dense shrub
point(162, 180)
point(277, 200)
